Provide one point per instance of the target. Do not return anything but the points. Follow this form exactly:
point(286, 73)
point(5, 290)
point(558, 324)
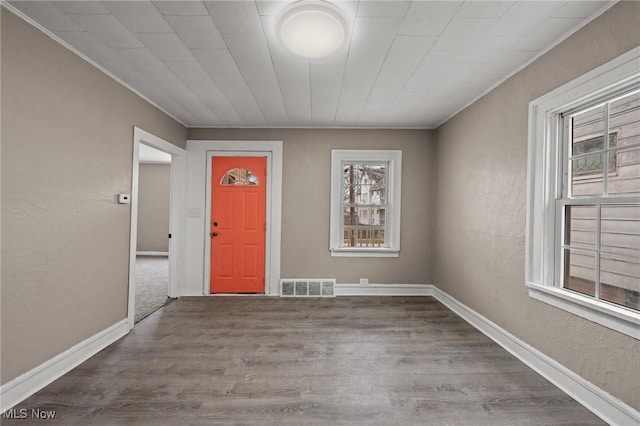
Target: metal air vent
point(308, 287)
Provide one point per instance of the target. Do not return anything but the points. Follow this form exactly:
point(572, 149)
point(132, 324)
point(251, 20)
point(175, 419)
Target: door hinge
point(169, 235)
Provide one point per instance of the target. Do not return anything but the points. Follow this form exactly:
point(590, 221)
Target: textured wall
point(305, 201)
point(154, 196)
point(480, 210)
point(67, 132)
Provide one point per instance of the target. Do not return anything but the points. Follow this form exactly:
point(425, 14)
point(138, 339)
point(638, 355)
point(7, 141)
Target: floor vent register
point(307, 287)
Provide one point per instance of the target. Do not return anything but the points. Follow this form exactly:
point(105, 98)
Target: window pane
point(365, 237)
point(580, 226)
point(584, 185)
point(592, 164)
point(580, 272)
point(364, 195)
point(370, 236)
point(364, 183)
point(624, 167)
point(620, 230)
point(624, 173)
point(382, 216)
point(351, 182)
point(239, 177)
point(364, 215)
point(587, 126)
point(350, 220)
point(587, 153)
point(378, 181)
point(620, 280)
point(378, 236)
point(624, 116)
point(364, 227)
point(349, 236)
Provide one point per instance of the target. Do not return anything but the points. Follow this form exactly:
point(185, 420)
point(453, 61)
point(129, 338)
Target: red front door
point(238, 225)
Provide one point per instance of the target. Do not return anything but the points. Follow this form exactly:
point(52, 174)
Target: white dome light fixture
point(312, 29)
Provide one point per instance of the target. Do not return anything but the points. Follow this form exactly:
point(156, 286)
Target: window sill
point(363, 252)
point(616, 318)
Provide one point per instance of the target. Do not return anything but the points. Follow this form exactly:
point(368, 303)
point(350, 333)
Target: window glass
point(580, 227)
point(580, 272)
point(620, 233)
point(363, 200)
point(624, 179)
point(588, 152)
point(619, 280)
point(624, 121)
point(620, 254)
point(601, 242)
point(591, 156)
point(239, 177)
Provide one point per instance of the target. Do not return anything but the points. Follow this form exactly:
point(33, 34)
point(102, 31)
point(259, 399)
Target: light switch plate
point(124, 199)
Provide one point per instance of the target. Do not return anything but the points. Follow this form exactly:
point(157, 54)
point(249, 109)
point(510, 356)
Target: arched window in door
point(239, 177)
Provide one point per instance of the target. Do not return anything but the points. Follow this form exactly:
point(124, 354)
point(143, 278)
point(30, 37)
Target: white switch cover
point(124, 199)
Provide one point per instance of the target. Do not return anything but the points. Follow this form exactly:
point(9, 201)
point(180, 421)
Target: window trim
point(544, 185)
point(393, 195)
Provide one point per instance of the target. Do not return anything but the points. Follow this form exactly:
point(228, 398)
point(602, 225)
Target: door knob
point(214, 234)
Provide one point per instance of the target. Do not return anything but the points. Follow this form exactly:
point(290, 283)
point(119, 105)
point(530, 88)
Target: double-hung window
point(365, 203)
point(583, 232)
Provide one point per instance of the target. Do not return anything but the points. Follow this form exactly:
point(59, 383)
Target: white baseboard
point(152, 253)
point(599, 402)
point(384, 290)
point(32, 381)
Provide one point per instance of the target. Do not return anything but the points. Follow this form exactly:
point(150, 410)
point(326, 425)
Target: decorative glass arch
point(238, 176)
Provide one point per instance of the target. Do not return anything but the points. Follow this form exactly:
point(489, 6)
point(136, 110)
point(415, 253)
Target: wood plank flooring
point(275, 361)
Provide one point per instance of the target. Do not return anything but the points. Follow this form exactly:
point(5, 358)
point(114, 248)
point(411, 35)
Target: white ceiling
point(408, 64)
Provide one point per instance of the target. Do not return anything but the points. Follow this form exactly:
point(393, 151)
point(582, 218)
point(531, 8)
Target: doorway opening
point(157, 224)
point(152, 248)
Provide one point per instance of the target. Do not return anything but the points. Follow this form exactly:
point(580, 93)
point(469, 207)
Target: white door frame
point(273, 151)
point(176, 224)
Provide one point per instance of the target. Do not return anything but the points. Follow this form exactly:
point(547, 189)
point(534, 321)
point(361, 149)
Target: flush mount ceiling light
point(312, 29)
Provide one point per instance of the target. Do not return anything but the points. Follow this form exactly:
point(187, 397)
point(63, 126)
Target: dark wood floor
point(347, 360)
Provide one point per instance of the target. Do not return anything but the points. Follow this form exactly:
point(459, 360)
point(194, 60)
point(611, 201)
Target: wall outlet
point(364, 280)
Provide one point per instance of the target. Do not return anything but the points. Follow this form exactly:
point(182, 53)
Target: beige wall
point(305, 201)
point(67, 132)
point(480, 211)
point(154, 184)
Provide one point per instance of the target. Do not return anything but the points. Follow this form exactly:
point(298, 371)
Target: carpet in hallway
point(152, 283)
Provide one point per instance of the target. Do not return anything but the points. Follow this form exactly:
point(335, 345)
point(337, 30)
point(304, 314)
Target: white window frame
point(392, 218)
point(544, 186)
